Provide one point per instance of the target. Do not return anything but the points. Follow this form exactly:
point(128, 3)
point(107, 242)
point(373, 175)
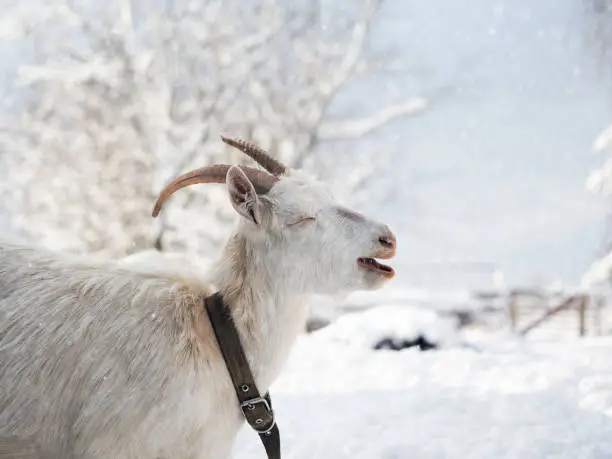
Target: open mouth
point(372, 265)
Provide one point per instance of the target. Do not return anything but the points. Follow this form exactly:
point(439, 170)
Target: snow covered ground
point(502, 399)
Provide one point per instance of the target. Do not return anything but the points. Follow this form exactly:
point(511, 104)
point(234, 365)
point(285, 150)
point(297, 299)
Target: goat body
point(99, 361)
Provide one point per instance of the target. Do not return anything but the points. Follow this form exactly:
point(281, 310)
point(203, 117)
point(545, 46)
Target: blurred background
point(479, 130)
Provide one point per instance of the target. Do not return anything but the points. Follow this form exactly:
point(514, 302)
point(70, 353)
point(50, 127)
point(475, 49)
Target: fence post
point(513, 310)
point(582, 307)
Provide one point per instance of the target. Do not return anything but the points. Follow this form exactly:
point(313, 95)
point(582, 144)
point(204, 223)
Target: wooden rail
point(577, 302)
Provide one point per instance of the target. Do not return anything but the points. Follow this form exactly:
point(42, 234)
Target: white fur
point(118, 359)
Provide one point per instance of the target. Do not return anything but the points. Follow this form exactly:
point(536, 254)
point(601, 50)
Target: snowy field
point(501, 398)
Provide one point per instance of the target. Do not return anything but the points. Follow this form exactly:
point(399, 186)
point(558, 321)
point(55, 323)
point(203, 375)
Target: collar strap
point(256, 409)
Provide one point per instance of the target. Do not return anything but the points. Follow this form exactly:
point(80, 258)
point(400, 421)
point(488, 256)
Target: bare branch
point(354, 128)
point(354, 50)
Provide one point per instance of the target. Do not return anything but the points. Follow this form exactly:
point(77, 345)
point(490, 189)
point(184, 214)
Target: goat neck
point(269, 312)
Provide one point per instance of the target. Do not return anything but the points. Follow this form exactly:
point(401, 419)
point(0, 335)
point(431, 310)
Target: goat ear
point(242, 194)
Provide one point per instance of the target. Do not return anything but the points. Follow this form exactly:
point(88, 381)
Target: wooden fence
point(582, 314)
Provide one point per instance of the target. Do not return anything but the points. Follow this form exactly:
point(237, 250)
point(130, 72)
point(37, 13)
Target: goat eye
point(300, 221)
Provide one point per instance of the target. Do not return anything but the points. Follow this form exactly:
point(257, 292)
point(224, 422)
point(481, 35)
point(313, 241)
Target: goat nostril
point(387, 241)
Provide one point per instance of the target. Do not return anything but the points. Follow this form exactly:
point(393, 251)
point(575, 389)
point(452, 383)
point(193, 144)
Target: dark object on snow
point(397, 345)
point(316, 323)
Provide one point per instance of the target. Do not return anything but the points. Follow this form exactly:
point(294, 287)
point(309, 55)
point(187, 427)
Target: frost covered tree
point(600, 182)
point(599, 34)
point(114, 98)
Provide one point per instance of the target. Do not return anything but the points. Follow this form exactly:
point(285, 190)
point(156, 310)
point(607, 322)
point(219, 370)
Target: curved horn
point(262, 181)
point(258, 154)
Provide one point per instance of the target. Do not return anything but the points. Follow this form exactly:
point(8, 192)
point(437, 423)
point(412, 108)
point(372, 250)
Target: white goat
point(119, 361)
